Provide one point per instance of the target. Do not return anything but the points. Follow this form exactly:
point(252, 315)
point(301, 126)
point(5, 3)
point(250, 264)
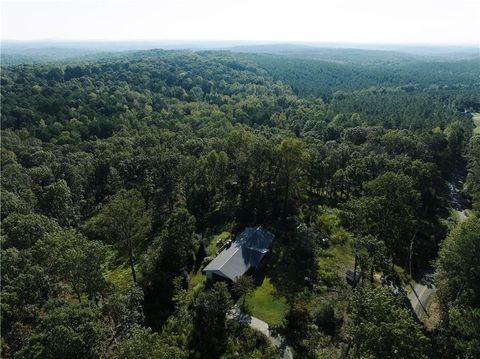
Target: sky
point(454, 22)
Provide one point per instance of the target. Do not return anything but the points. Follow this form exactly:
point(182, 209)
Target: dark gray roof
point(244, 253)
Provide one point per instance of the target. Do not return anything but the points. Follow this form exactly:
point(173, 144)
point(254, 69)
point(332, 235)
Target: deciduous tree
point(125, 221)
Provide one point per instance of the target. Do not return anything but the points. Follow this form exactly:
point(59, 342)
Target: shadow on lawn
point(287, 268)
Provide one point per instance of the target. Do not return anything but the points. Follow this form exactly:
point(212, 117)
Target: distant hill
point(15, 52)
point(343, 55)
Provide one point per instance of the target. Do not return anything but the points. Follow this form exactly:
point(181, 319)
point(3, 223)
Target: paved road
point(423, 292)
point(277, 340)
point(422, 295)
point(457, 200)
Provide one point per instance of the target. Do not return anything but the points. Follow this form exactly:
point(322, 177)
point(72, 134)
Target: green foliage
point(142, 343)
point(152, 151)
point(69, 257)
point(387, 211)
point(380, 328)
point(123, 220)
point(458, 286)
point(125, 310)
point(243, 286)
point(56, 201)
point(473, 177)
point(371, 255)
point(458, 264)
point(247, 343)
point(67, 331)
point(177, 241)
point(25, 289)
point(23, 230)
point(303, 332)
point(169, 258)
point(210, 314)
point(293, 160)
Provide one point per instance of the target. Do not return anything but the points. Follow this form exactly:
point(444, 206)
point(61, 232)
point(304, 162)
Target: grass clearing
point(341, 256)
point(117, 270)
point(197, 280)
point(334, 262)
point(121, 277)
point(266, 304)
point(476, 121)
point(216, 242)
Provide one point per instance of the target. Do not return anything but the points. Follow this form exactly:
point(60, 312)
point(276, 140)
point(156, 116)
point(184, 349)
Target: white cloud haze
point(362, 21)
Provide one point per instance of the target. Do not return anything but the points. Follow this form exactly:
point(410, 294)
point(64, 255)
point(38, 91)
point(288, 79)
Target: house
point(243, 254)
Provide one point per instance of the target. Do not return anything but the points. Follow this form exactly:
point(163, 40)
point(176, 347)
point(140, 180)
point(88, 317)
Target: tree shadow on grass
point(287, 268)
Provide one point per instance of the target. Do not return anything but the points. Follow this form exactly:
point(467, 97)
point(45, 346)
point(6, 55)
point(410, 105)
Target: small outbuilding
point(245, 253)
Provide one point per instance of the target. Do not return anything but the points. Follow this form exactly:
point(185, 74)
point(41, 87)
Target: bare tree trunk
point(78, 295)
point(355, 271)
point(285, 198)
point(346, 352)
point(130, 255)
point(412, 241)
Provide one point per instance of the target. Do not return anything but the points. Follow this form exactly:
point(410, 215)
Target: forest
point(124, 174)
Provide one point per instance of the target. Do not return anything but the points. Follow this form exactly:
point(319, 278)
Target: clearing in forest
point(476, 121)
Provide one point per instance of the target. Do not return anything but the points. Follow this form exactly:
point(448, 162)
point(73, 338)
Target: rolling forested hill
point(123, 175)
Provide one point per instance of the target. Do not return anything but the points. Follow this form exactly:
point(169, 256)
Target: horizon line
point(439, 44)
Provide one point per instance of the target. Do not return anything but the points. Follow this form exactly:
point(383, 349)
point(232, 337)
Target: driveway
point(277, 340)
point(422, 295)
point(423, 292)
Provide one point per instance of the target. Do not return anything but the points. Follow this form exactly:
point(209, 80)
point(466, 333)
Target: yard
point(266, 303)
point(334, 261)
point(476, 121)
point(283, 274)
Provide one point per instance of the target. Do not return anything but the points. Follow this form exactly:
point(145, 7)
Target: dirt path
point(277, 340)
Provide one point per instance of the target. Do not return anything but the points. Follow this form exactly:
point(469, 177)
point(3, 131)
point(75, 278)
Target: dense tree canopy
point(380, 328)
point(121, 174)
point(459, 290)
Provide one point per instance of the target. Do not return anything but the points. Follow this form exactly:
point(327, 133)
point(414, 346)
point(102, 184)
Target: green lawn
point(216, 242)
point(266, 304)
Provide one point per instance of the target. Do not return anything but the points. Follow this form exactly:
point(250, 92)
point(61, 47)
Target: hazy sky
point(365, 21)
